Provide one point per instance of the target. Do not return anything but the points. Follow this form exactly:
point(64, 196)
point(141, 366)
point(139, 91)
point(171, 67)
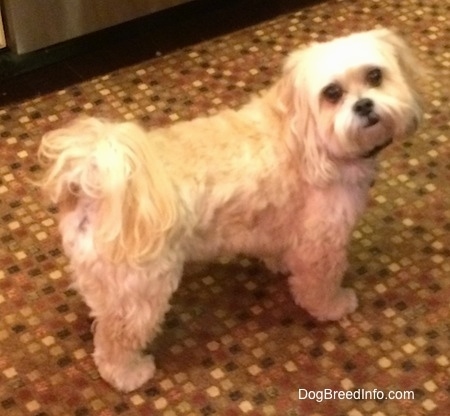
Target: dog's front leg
point(317, 269)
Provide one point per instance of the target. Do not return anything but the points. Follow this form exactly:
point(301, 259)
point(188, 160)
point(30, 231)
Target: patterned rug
point(234, 342)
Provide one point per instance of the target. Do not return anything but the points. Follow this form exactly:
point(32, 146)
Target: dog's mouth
point(372, 119)
point(377, 149)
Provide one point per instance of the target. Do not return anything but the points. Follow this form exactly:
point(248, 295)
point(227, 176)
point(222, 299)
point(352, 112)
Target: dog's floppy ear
point(298, 106)
point(113, 166)
point(412, 70)
point(409, 64)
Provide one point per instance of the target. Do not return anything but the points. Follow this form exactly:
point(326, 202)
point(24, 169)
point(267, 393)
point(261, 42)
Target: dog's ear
point(298, 105)
point(396, 46)
point(115, 169)
point(413, 71)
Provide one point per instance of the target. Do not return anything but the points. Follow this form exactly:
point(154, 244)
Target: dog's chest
point(333, 212)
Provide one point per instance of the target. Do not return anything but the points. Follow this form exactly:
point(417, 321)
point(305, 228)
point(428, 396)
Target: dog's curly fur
point(283, 179)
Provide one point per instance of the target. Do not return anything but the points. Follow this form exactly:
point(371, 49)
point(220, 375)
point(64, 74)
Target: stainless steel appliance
point(35, 24)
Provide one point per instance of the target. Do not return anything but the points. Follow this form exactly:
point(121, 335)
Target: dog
point(282, 179)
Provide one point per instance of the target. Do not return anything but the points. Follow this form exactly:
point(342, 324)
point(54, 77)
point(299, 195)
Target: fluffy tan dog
point(283, 179)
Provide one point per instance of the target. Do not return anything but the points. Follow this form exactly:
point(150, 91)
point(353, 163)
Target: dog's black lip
point(372, 119)
point(377, 149)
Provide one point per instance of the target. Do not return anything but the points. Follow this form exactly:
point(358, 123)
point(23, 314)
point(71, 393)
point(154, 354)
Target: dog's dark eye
point(374, 77)
point(333, 93)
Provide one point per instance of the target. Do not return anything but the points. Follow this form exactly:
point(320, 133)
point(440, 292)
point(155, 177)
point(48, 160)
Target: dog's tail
point(114, 167)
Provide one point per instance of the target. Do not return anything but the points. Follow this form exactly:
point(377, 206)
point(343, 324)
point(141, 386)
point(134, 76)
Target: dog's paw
point(343, 303)
point(127, 376)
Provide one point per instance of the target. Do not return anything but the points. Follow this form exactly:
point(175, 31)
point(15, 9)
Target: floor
point(234, 342)
point(71, 62)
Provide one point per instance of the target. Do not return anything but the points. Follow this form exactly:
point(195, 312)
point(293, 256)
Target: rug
point(234, 342)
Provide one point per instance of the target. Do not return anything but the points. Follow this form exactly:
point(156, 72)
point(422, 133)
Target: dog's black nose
point(363, 107)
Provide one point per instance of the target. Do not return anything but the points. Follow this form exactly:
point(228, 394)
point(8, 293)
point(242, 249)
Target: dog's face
point(352, 96)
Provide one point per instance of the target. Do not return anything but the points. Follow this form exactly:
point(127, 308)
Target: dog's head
point(348, 98)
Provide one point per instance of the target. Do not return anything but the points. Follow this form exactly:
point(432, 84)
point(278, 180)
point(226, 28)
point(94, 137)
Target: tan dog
point(283, 179)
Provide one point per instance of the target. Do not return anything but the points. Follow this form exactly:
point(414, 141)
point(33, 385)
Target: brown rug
point(234, 342)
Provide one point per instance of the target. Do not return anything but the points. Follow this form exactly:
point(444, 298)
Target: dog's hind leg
point(316, 278)
point(128, 308)
point(119, 357)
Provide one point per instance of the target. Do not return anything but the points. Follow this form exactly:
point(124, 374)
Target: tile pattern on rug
point(234, 342)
